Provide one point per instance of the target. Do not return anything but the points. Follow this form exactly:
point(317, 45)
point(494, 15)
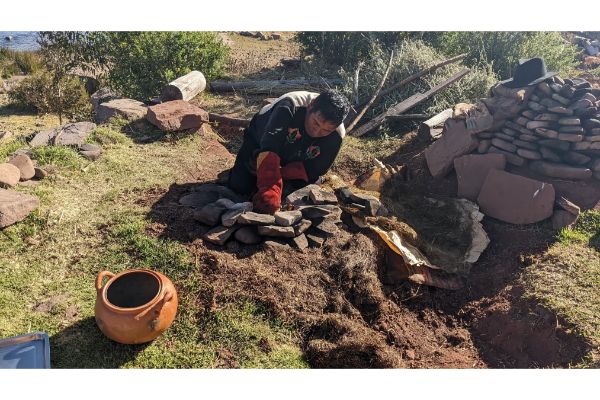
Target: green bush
point(139, 64)
point(65, 96)
point(143, 63)
point(411, 56)
point(345, 48)
point(502, 50)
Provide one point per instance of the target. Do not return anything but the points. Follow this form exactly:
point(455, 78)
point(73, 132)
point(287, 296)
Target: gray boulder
point(128, 109)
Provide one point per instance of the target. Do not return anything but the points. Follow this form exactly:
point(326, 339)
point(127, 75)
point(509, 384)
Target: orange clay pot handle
point(165, 297)
point(100, 277)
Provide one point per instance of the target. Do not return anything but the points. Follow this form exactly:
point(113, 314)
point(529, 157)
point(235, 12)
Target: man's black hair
point(333, 105)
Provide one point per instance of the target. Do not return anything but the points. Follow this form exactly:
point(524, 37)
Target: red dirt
point(349, 318)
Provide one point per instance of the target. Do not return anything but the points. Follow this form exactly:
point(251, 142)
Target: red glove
point(269, 182)
point(294, 170)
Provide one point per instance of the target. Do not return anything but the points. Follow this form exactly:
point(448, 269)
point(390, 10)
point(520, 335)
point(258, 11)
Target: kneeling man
point(290, 142)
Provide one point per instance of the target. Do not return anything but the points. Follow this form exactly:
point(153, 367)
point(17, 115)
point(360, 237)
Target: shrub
point(139, 64)
point(345, 48)
point(504, 49)
point(411, 56)
point(18, 62)
point(65, 97)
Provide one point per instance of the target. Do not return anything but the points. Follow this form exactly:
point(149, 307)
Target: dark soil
point(349, 318)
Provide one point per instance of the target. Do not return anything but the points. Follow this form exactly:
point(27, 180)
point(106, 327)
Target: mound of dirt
point(338, 300)
point(350, 317)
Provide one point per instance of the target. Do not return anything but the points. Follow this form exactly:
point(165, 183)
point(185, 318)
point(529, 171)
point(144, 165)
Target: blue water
point(21, 40)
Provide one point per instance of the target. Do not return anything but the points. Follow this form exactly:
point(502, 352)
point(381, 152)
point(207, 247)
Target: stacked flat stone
point(557, 135)
point(315, 217)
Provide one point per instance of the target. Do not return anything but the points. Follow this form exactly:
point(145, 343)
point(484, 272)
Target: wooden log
point(432, 128)
point(240, 122)
point(271, 87)
point(184, 88)
point(409, 103)
point(419, 74)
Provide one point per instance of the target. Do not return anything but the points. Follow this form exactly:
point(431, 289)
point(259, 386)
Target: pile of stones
point(311, 215)
point(557, 135)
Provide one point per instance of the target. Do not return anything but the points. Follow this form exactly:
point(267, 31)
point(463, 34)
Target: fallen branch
point(408, 104)
point(408, 117)
point(419, 74)
point(270, 87)
point(240, 122)
point(375, 94)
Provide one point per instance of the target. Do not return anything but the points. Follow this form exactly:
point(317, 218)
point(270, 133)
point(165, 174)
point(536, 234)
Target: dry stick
point(381, 83)
point(408, 104)
point(420, 74)
point(240, 122)
point(355, 87)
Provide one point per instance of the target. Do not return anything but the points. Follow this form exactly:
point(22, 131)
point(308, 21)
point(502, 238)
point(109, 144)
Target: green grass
point(91, 219)
point(58, 156)
point(566, 279)
point(198, 338)
point(108, 136)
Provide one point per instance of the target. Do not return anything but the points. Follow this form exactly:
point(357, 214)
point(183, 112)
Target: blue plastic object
point(31, 350)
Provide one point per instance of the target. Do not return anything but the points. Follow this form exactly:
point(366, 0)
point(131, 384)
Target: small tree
point(53, 89)
point(46, 93)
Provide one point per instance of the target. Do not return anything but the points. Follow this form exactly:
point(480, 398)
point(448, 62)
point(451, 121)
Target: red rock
point(568, 205)
point(529, 154)
point(128, 109)
point(471, 171)
point(557, 170)
point(9, 174)
point(220, 234)
point(176, 115)
point(563, 219)
point(504, 145)
point(510, 157)
point(515, 199)
point(15, 206)
point(25, 166)
point(455, 142)
point(484, 146)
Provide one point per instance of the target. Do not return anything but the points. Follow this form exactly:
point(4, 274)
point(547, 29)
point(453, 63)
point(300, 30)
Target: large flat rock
point(128, 109)
point(515, 199)
point(471, 171)
point(455, 142)
point(15, 206)
point(176, 115)
point(72, 134)
point(557, 170)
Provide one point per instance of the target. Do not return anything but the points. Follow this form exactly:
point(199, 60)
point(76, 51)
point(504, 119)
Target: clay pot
point(134, 306)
